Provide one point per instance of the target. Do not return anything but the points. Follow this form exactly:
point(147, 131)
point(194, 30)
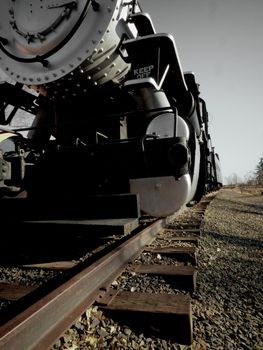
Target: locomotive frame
point(114, 111)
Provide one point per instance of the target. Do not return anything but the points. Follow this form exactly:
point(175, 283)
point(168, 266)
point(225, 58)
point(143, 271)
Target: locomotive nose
point(70, 43)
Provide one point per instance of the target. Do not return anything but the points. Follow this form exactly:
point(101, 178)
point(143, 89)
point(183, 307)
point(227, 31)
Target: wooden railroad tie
point(182, 276)
point(193, 232)
point(185, 239)
point(168, 315)
point(180, 253)
point(12, 292)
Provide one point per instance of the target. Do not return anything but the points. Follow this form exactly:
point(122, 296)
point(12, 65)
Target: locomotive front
point(113, 102)
point(64, 42)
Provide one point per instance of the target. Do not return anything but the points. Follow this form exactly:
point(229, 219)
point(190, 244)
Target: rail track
point(35, 316)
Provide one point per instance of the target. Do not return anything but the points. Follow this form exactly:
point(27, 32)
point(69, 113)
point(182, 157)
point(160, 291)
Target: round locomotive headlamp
point(44, 40)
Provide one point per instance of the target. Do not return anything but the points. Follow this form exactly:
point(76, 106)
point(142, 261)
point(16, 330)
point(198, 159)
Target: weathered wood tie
point(181, 276)
point(168, 315)
point(13, 292)
point(183, 253)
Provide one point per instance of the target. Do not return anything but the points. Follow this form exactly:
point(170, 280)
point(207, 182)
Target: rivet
point(158, 186)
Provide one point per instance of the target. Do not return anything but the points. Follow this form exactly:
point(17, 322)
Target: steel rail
point(41, 324)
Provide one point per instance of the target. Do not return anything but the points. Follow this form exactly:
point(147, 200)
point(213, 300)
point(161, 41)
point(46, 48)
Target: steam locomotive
point(112, 110)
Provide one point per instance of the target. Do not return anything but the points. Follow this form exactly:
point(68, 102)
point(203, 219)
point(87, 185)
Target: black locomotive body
point(113, 110)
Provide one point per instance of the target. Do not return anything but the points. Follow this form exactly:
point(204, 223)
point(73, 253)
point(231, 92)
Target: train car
point(113, 110)
point(216, 179)
point(211, 166)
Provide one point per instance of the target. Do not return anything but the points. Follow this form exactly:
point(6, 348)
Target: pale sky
point(222, 42)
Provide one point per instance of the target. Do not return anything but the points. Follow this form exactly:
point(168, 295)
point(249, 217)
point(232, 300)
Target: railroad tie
point(183, 277)
point(166, 314)
point(180, 253)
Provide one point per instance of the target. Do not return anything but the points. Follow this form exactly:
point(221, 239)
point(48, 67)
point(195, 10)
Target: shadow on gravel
point(252, 209)
point(248, 208)
point(241, 241)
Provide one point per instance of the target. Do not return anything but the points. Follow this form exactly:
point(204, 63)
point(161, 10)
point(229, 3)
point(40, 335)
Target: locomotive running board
point(115, 206)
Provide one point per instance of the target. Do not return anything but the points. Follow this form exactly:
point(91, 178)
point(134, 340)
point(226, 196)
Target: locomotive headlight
point(162, 126)
point(168, 125)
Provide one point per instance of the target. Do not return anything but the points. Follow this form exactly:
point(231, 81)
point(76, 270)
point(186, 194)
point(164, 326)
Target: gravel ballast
point(227, 305)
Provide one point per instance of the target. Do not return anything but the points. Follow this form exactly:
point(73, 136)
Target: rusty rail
point(40, 325)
